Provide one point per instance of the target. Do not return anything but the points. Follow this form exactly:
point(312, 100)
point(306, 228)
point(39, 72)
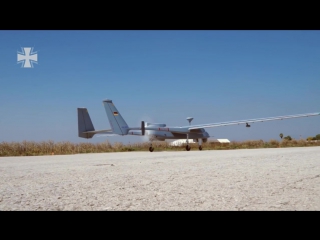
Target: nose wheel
point(200, 148)
point(188, 148)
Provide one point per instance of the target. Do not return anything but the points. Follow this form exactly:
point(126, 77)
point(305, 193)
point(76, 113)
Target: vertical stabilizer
point(84, 123)
point(117, 123)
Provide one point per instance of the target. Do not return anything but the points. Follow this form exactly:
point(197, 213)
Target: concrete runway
point(257, 179)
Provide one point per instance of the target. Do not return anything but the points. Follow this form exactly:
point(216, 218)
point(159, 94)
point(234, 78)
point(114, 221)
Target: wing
point(210, 125)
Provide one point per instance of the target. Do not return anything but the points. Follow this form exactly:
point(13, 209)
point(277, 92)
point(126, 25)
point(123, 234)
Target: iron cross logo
point(27, 57)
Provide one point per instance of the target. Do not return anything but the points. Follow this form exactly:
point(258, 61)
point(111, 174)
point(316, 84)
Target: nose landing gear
point(200, 142)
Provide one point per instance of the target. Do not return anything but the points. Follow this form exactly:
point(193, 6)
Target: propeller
point(142, 128)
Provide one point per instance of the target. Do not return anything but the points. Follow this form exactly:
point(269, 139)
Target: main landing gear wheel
point(188, 148)
point(200, 148)
point(151, 149)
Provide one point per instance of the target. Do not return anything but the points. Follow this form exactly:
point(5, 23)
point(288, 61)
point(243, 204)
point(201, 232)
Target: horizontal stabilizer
point(108, 135)
point(100, 131)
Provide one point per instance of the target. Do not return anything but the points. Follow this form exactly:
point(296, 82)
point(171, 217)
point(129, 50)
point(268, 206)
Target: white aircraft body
point(159, 131)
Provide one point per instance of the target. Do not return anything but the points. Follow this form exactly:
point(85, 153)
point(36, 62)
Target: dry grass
point(30, 148)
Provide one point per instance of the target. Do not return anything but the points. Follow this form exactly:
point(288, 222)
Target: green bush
point(288, 138)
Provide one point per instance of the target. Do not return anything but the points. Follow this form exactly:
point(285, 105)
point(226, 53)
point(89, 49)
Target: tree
point(318, 137)
point(288, 138)
point(281, 135)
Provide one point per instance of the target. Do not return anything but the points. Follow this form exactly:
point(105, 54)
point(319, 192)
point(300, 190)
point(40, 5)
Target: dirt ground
point(257, 179)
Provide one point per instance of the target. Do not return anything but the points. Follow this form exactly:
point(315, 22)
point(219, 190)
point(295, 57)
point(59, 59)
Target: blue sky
point(160, 76)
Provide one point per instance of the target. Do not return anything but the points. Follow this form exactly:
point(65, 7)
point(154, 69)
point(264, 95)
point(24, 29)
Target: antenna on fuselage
point(189, 120)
